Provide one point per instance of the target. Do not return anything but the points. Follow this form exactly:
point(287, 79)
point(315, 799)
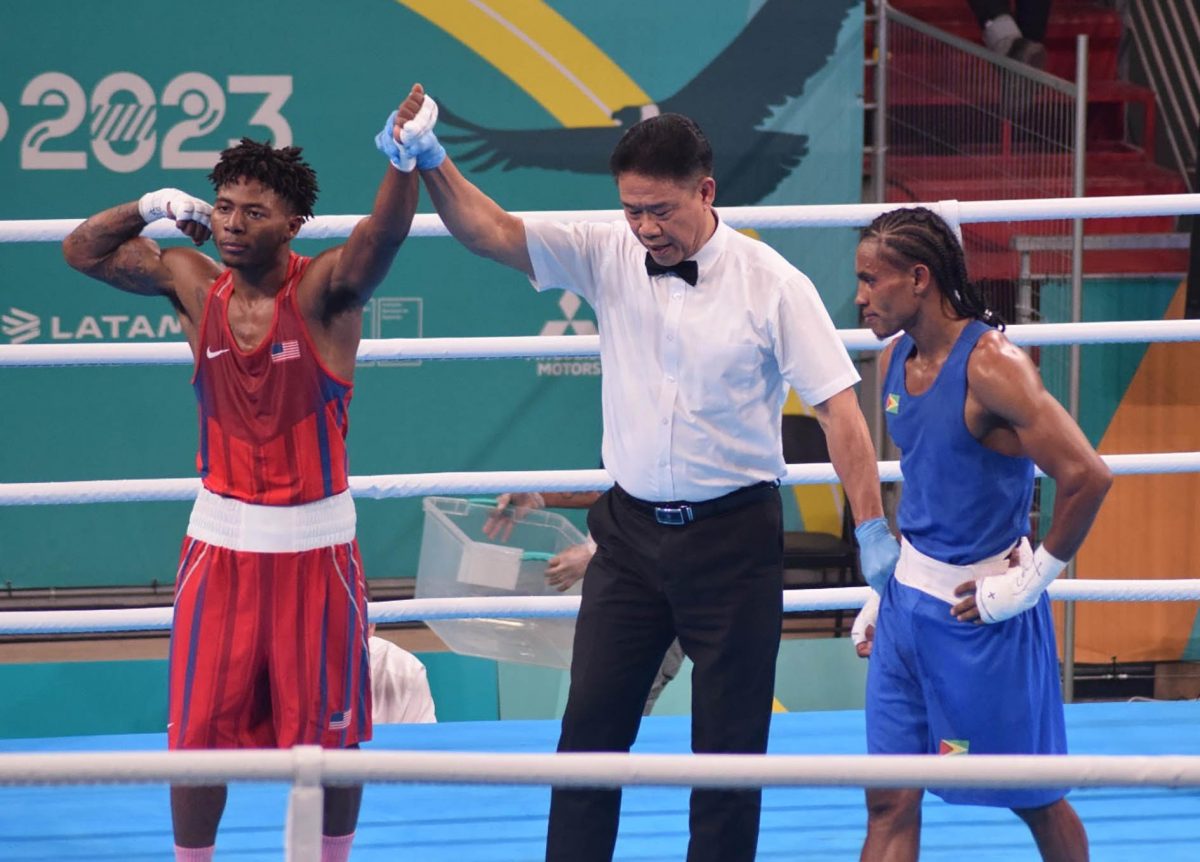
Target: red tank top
point(273, 421)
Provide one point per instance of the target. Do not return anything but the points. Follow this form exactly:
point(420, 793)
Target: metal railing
point(1165, 35)
point(1028, 277)
point(957, 120)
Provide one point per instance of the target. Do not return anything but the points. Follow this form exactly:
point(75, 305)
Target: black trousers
point(1031, 15)
point(717, 584)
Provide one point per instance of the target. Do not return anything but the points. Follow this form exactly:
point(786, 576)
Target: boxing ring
point(479, 790)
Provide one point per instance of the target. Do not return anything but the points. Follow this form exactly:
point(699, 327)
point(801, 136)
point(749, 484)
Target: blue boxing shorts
point(939, 686)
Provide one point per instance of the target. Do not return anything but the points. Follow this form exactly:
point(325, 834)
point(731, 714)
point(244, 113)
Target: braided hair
point(281, 170)
point(919, 235)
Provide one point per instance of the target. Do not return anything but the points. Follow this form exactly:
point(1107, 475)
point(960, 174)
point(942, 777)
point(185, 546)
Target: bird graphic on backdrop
point(730, 98)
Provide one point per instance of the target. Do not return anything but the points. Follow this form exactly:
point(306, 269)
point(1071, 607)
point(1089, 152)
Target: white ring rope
point(540, 607)
point(389, 486)
point(304, 766)
point(566, 346)
point(812, 215)
point(578, 769)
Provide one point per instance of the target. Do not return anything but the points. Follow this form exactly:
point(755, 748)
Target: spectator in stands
point(1017, 33)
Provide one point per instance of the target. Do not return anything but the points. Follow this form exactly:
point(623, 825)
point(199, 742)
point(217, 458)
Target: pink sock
point(193, 854)
point(336, 848)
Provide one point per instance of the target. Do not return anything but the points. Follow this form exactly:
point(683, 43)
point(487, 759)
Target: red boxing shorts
point(268, 649)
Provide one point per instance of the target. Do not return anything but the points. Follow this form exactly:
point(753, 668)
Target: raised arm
point(364, 260)
point(477, 221)
point(343, 278)
point(473, 218)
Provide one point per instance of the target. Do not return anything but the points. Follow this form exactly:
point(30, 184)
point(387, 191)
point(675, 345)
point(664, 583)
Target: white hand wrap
point(173, 204)
point(423, 122)
point(1001, 597)
point(418, 138)
point(866, 617)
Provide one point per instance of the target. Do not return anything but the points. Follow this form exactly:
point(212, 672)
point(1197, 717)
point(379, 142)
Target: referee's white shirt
point(694, 377)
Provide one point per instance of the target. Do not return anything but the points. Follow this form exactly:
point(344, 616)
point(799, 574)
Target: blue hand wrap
point(878, 552)
point(400, 158)
point(429, 151)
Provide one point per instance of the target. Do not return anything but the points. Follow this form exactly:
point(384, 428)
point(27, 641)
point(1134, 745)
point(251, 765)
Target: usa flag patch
point(282, 351)
point(339, 720)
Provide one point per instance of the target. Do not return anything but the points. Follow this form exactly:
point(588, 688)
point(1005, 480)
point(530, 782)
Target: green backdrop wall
point(104, 697)
point(130, 96)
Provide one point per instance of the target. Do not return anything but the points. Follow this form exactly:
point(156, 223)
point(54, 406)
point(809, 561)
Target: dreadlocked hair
point(919, 235)
point(281, 170)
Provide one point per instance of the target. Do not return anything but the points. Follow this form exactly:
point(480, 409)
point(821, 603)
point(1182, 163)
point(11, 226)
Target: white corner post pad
point(1001, 597)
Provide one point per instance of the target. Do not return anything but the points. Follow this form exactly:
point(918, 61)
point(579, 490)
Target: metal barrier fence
point(963, 122)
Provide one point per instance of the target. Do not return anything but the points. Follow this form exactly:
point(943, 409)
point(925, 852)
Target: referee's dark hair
point(669, 146)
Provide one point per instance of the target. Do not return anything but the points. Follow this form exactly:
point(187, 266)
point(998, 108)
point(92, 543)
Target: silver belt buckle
point(673, 516)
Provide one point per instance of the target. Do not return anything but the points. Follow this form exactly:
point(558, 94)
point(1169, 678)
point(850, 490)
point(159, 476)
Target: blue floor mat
point(482, 823)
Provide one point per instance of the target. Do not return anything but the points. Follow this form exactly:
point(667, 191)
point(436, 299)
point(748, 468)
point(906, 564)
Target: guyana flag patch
point(893, 403)
point(954, 746)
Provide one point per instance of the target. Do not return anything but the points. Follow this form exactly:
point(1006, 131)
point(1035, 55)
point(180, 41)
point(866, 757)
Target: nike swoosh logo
point(213, 354)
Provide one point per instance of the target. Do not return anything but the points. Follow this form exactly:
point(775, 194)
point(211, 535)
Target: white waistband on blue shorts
point(939, 579)
point(229, 523)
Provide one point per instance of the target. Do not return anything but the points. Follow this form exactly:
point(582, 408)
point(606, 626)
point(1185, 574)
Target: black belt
point(680, 512)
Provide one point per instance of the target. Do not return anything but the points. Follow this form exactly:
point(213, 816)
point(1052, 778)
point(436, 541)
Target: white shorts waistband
point(229, 523)
point(939, 579)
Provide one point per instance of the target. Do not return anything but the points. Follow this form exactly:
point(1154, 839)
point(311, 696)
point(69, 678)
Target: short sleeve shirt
point(694, 377)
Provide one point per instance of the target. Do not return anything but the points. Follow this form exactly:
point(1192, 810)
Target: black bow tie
point(685, 269)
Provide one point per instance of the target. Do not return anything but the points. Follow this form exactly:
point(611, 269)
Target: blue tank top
point(960, 501)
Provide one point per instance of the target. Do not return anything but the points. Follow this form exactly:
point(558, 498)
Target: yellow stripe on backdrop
point(542, 53)
point(820, 505)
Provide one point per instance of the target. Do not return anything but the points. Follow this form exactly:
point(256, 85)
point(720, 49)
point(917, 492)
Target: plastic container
point(458, 560)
